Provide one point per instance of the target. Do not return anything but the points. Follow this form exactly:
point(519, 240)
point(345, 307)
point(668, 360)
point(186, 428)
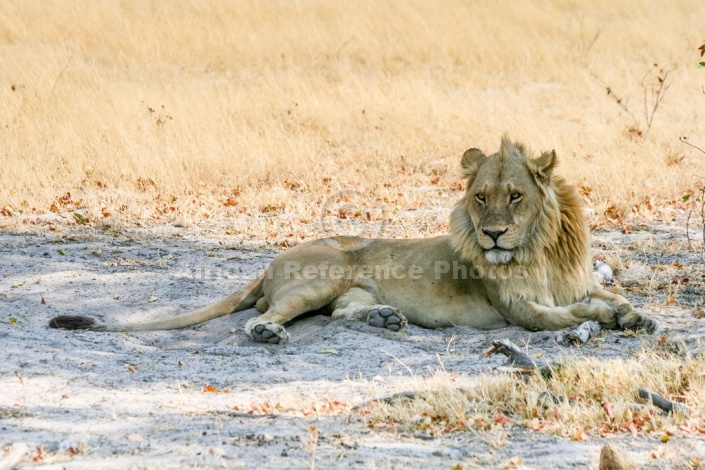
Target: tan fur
point(555, 248)
point(518, 253)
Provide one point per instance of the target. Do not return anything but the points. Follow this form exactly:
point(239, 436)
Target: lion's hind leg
point(358, 304)
point(267, 332)
point(285, 303)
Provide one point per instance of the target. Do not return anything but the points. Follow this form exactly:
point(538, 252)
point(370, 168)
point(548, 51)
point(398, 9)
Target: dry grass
point(582, 398)
point(251, 114)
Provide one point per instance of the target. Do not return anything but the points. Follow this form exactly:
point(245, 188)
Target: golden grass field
point(252, 114)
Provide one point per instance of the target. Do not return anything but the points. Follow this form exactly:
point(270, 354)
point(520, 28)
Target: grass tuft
point(584, 397)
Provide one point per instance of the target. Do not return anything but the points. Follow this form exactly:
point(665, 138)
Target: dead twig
point(311, 445)
point(519, 361)
point(622, 103)
point(684, 140)
point(337, 54)
point(387, 397)
point(700, 199)
point(237, 414)
point(580, 335)
point(654, 94)
point(661, 402)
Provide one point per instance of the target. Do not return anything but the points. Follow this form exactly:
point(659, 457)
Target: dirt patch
point(168, 399)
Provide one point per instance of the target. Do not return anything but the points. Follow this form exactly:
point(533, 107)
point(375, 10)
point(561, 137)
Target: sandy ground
point(101, 400)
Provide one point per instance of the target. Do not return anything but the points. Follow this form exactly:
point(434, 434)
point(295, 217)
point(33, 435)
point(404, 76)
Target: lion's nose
point(494, 234)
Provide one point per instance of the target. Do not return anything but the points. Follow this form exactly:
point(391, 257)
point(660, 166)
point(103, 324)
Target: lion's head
point(515, 210)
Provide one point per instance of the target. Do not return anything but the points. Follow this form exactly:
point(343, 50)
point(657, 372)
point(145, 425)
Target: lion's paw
point(386, 317)
point(630, 319)
point(268, 332)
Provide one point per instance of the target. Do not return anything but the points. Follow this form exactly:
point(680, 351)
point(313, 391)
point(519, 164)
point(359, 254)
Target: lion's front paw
point(630, 319)
point(267, 332)
point(386, 317)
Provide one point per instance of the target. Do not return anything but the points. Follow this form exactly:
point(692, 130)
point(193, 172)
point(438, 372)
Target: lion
point(518, 253)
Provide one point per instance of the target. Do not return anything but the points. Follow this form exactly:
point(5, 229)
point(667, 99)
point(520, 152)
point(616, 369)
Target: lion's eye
point(480, 198)
point(514, 197)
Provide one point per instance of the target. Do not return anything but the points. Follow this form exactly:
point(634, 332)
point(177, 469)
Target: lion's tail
point(240, 300)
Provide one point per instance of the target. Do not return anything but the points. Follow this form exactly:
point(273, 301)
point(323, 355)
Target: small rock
point(67, 444)
point(603, 271)
point(614, 458)
point(51, 447)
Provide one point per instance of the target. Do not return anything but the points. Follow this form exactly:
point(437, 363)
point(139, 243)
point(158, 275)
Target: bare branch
point(685, 141)
point(664, 403)
point(387, 397)
point(581, 334)
point(518, 359)
point(620, 102)
point(656, 93)
point(698, 253)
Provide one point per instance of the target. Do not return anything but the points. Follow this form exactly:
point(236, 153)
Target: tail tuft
point(72, 322)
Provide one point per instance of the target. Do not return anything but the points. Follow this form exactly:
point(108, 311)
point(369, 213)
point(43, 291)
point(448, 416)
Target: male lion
point(518, 253)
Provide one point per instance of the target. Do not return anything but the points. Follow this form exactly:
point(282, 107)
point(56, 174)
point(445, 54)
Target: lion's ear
point(545, 164)
point(471, 161)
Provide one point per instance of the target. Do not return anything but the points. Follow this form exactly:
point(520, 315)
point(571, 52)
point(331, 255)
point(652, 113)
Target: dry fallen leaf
point(502, 419)
point(212, 389)
point(631, 427)
point(40, 454)
point(658, 453)
point(515, 462)
point(578, 434)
